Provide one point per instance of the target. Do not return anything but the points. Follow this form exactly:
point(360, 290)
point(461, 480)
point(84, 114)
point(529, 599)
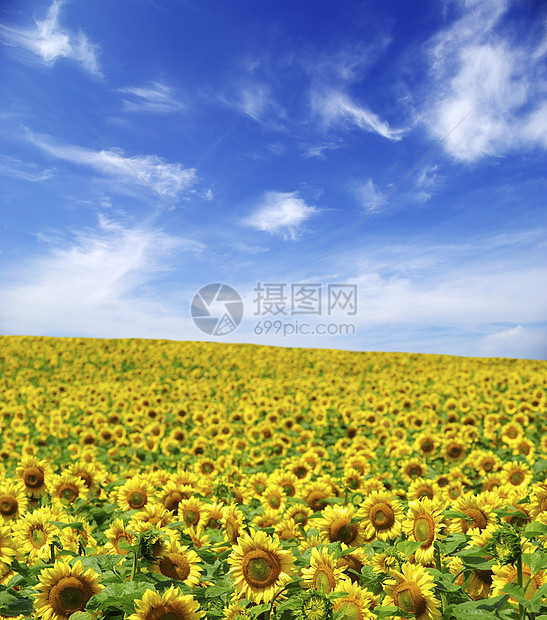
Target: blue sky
point(398, 149)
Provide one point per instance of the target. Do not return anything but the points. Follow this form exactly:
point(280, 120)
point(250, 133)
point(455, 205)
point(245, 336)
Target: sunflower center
point(68, 492)
point(350, 610)
point(260, 487)
point(289, 489)
point(353, 564)
point(164, 612)
point(260, 568)
point(8, 505)
point(324, 581)
point(274, 501)
point(191, 517)
point(70, 594)
point(485, 576)
point(488, 465)
point(516, 478)
point(408, 597)
point(137, 499)
point(455, 451)
point(479, 519)
point(414, 471)
point(343, 530)
point(38, 537)
point(424, 530)
point(301, 519)
point(314, 500)
point(33, 477)
point(175, 565)
point(83, 475)
point(425, 492)
point(382, 516)
point(172, 501)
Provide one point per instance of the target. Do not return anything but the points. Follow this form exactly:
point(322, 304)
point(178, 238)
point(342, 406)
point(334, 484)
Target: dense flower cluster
point(155, 479)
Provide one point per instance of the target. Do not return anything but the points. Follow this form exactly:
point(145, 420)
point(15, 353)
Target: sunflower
point(134, 494)
point(181, 563)
point(358, 603)
point(288, 529)
point(35, 475)
point(422, 524)
point(171, 604)
point(92, 474)
point(65, 589)
point(323, 573)
point(7, 551)
point(478, 510)
point(273, 498)
point(517, 475)
point(340, 523)
point(287, 481)
point(412, 468)
point(65, 489)
point(154, 514)
point(381, 515)
point(538, 503)
point(212, 514)
point(259, 566)
point(236, 611)
point(191, 511)
point(33, 534)
point(424, 488)
point(117, 533)
point(412, 591)
point(314, 493)
point(299, 513)
point(353, 562)
point(233, 522)
point(502, 575)
point(172, 493)
point(13, 500)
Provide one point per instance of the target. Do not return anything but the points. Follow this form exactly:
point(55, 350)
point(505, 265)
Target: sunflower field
point(159, 480)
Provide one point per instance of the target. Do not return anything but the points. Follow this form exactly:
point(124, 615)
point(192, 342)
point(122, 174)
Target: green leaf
point(408, 547)
point(536, 561)
point(13, 605)
point(535, 529)
point(391, 612)
point(456, 514)
point(119, 596)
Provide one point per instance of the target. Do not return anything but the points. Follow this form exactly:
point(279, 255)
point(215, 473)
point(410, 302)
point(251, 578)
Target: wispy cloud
point(99, 282)
point(169, 179)
point(156, 98)
point(17, 169)
point(478, 69)
point(335, 107)
point(281, 213)
point(368, 194)
point(50, 41)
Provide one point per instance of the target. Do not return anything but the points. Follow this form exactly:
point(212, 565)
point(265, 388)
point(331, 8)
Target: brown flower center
point(68, 491)
point(171, 502)
point(70, 594)
point(8, 505)
point(382, 516)
point(353, 564)
point(175, 565)
point(191, 516)
point(343, 530)
point(33, 477)
point(324, 580)
point(424, 530)
point(137, 499)
point(516, 478)
point(165, 612)
point(479, 519)
point(38, 537)
point(408, 597)
point(261, 568)
point(314, 500)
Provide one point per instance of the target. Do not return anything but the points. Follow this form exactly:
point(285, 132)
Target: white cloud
point(518, 341)
point(368, 194)
point(335, 107)
point(17, 169)
point(98, 284)
point(281, 213)
point(156, 97)
point(480, 73)
point(48, 40)
point(168, 179)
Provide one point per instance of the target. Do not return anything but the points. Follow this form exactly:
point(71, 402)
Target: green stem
point(439, 567)
point(519, 580)
point(134, 566)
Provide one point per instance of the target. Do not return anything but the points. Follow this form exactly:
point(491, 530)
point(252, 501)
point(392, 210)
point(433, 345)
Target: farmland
point(156, 479)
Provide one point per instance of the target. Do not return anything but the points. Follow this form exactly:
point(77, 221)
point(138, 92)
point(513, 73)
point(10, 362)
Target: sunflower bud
point(312, 605)
point(505, 545)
